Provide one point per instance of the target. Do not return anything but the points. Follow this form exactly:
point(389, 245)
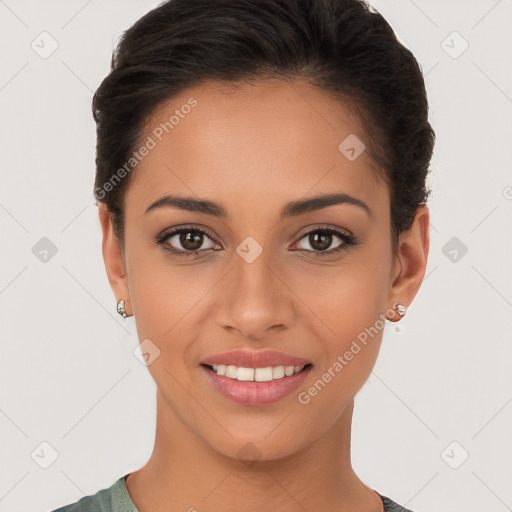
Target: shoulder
point(391, 506)
point(112, 499)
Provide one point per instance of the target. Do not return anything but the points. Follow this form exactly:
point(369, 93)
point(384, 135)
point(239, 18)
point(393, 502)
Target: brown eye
point(191, 240)
point(320, 241)
point(186, 241)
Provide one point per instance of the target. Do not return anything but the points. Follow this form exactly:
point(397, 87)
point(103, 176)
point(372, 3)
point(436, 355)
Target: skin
point(253, 150)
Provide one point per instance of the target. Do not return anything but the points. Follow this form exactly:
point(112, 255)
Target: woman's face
point(261, 280)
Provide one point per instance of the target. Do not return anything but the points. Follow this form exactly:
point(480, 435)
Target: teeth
point(256, 374)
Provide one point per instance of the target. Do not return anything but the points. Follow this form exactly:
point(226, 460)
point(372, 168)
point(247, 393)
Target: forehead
point(261, 141)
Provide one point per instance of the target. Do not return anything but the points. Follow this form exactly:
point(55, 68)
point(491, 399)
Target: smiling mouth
point(264, 374)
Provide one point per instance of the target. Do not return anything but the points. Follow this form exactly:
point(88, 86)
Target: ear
point(114, 258)
point(411, 261)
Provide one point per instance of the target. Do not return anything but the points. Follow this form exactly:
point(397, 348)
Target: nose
point(255, 299)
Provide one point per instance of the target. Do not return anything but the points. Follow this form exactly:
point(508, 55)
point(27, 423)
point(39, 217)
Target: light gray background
point(68, 374)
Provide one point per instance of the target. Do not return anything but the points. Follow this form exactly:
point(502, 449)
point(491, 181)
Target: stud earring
point(120, 308)
point(401, 311)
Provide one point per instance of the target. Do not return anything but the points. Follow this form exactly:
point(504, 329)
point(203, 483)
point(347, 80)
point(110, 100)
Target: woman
point(261, 170)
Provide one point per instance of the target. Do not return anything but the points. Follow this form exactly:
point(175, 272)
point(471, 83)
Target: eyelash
point(348, 241)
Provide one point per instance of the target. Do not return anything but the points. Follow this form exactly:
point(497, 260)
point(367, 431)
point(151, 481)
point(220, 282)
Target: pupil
point(325, 241)
point(191, 242)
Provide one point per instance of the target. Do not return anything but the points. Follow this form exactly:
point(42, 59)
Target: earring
point(120, 308)
point(401, 311)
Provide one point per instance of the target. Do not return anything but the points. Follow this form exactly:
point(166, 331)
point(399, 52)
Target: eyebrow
point(292, 209)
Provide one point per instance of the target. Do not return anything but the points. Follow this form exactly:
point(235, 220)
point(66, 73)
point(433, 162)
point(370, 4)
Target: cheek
point(157, 294)
point(163, 311)
point(169, 300)
point(350, 346)
point(348, 307)
point(161, 290)
point(346, 299)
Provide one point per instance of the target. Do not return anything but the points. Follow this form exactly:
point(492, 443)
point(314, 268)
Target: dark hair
point(345, 47)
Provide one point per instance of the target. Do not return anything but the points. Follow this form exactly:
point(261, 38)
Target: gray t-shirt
point(117, 499)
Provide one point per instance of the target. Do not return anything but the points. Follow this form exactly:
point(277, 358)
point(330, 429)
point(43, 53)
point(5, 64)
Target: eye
point(186, 241)
point(321, 239)
point(189, 241)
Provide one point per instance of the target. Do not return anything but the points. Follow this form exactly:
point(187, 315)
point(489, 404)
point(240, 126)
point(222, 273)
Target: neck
point(184, 473)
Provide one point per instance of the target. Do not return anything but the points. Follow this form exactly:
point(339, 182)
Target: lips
point(257, 359)
point(255, 393)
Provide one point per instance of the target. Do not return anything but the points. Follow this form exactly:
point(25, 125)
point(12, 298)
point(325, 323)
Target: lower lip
point(252, 392)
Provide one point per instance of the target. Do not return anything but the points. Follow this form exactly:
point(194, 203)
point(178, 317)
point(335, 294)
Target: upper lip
point(259, 359)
